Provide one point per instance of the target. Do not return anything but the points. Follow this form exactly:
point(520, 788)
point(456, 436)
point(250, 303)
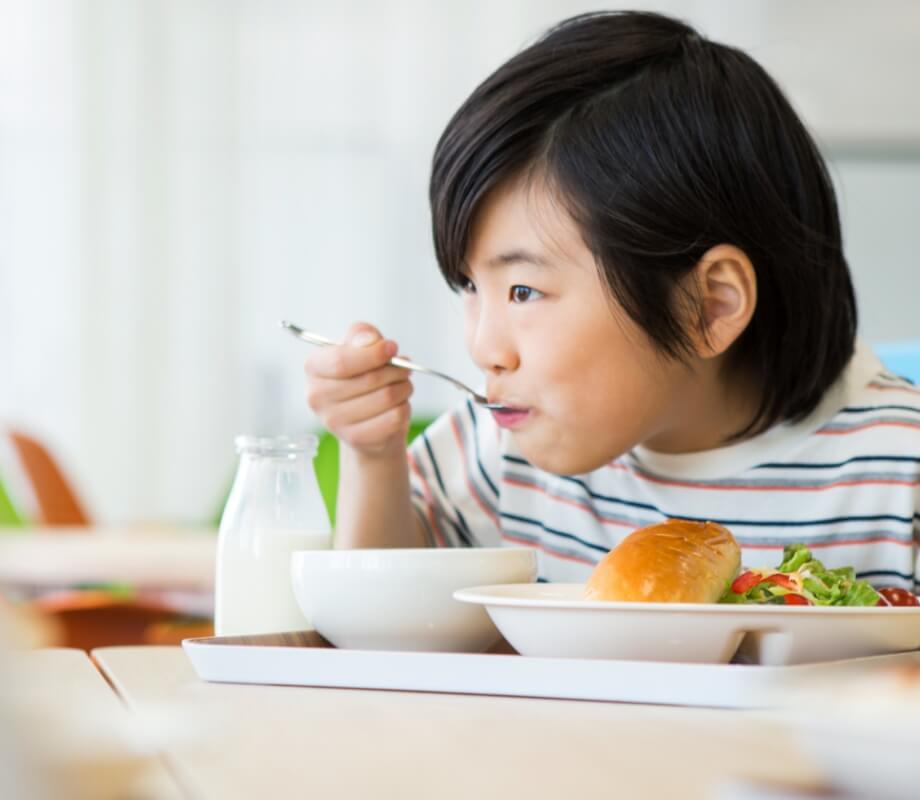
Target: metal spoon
point(396, 361)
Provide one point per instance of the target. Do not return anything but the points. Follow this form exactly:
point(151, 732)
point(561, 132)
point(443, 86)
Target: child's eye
point(521, 294)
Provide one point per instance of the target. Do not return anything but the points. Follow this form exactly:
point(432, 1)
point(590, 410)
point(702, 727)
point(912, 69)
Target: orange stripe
point(567, 501)
point(857, 428)
point(880, 540)
point(763, 546)
point(539, 546)
point(883, 388)
point(767, 487)
point(429, 504)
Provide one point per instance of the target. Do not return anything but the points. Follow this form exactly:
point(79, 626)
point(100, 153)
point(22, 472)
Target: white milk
point(253, 592)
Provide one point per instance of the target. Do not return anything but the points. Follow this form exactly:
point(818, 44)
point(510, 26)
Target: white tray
point(304, 658)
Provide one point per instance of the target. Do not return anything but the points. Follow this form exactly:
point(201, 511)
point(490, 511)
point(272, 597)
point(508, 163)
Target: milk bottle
point(274, 508)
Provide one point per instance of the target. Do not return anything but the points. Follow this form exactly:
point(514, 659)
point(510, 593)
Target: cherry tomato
point(781, 579)
point(745, 581)
point(795, 600)
point(892, 596)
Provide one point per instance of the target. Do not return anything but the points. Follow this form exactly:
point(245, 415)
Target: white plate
point(552, 620)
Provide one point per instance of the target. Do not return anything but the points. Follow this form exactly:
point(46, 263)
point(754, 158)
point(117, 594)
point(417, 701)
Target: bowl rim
point(397, 553)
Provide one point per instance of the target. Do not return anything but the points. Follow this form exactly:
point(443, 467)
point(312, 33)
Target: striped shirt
point(845, 481)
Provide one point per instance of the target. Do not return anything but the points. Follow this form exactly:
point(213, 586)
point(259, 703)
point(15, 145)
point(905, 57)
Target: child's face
point(552, 343)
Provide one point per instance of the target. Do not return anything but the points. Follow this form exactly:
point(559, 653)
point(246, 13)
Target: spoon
point(396, 361)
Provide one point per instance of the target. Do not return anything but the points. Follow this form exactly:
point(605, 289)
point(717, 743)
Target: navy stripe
point(864, 409)
point(561, 551)
point(467, 467)
point(769, 465)
point(907, 577)
point(830, 539)
point(434, 463)
point(463, 533)
point(587, 489)
point(482, 470)
point(727, 522)
point(537, 540)
point(565, 535)
point(835, 465)
point(779, 483)
point(887, 573)
point(585, 505)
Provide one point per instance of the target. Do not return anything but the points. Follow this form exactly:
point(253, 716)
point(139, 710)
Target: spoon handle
point(322, 341)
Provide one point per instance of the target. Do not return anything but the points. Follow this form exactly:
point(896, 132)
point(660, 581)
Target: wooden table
point(65, 733)
point(249, 741)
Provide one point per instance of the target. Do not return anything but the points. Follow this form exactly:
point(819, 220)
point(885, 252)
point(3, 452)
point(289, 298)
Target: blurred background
point(178, 175)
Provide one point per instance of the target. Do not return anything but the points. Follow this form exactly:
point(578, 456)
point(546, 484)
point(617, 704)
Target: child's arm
point(373, 508)
point(364, 401)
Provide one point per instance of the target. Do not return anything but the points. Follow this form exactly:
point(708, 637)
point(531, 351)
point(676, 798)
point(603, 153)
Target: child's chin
point(562, 461)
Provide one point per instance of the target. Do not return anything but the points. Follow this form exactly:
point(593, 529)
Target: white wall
point(176, 176)
point(879, 195)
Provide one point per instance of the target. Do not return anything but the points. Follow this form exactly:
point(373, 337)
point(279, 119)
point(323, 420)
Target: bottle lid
point(277, 445)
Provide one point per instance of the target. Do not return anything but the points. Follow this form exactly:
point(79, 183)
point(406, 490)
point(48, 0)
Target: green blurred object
point(9, 517)
point(326, 462)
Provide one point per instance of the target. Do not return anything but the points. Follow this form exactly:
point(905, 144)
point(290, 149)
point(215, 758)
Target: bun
point(672, 562)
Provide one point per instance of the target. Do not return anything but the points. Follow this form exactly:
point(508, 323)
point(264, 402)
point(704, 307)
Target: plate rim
point(481, 595)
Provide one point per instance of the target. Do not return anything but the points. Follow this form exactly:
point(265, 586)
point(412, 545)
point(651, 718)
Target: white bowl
point(402, 599)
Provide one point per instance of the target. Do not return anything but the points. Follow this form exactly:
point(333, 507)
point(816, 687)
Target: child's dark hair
point(661, 145)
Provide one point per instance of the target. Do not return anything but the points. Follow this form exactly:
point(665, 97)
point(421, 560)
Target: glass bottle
point(274, 508)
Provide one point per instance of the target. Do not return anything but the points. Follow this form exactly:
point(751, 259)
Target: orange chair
point(90, 618)
point(84, 617)
point(53, 498)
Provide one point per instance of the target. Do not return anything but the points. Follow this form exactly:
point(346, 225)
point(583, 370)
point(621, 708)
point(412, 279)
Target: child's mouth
point(511, 417)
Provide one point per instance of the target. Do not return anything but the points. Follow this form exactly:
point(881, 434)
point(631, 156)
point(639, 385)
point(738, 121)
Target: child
point(649, 252)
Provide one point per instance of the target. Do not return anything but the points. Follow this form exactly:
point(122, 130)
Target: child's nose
point(491, 346)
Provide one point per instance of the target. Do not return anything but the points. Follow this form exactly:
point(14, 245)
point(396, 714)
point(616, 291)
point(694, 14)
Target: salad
point(804, 581)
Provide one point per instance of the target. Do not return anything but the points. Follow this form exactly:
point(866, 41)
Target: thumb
point(362, 334)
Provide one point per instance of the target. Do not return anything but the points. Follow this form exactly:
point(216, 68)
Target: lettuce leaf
point(813, 581)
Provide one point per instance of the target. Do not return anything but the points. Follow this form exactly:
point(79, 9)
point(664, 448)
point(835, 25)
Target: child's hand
point(357, 395)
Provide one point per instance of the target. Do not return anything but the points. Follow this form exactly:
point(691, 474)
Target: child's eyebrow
point(516, 257)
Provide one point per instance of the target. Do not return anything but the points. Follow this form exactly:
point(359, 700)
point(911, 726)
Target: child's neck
point(709, 410)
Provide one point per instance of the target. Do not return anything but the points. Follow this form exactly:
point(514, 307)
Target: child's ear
point(727, 286)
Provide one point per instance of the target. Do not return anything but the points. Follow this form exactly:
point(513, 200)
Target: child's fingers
point(344, 415)
point(349, 360)
point(374, 432)
point(360, 334)
point(325, 392)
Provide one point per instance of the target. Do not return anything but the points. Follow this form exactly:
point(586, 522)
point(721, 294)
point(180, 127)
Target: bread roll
point(672, 562)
